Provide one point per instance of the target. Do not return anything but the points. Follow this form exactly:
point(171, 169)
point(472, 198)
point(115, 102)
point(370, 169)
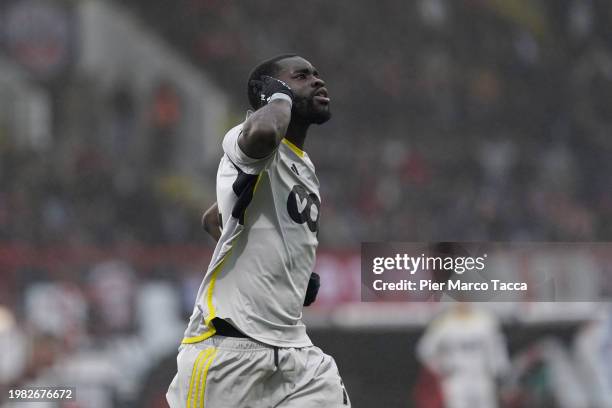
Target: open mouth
point(322, 96)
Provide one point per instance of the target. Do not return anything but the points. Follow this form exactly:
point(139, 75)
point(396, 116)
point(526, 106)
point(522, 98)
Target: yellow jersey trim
point(212, 312)
point(196, 339)
point(293, 147)
point(211, 307)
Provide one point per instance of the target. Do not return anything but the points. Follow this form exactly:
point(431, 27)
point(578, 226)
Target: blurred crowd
point(109, 328)
point(472, 119)
point(97, 184)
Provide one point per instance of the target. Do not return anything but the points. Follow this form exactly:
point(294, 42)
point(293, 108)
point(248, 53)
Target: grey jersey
point(260, 268)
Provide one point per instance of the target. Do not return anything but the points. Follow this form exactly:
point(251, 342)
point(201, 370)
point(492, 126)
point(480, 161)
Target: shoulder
point(238, 157)
point(233, 132)
point(230, 140)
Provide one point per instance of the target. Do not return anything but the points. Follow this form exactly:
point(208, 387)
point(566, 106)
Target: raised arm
point(266, 127)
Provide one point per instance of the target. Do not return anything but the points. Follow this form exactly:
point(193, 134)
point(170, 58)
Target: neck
point(296, 133)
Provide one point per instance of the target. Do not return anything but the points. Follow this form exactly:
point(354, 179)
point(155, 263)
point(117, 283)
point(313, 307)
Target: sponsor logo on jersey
point(304, 207)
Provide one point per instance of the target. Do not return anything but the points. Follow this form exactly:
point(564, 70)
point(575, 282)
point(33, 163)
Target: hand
point(267, 86)
point(313, 288)
point(211, 222)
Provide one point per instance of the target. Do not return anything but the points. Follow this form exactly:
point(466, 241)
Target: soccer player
point(246, 345)
point(465, 349)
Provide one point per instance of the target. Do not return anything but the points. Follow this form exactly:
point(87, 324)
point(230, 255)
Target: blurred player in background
point(465, 349)
point(593, 354)
point(246, 345)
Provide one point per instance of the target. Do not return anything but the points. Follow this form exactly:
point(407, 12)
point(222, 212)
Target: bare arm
point(265, 128)
point(211, 222)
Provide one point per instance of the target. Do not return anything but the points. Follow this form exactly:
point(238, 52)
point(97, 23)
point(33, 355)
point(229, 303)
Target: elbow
point(260, 139)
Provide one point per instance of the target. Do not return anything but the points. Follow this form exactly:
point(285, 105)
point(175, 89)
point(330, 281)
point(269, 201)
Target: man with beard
point(245, 345)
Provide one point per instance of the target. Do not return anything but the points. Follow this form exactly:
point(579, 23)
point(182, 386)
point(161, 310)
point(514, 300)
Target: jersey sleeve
point(238, 157)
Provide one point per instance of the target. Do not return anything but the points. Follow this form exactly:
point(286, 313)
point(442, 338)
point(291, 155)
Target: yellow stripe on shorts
point(203, 389)
point(202, 356)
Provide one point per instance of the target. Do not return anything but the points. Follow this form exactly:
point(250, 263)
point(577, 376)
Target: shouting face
point(311, 99)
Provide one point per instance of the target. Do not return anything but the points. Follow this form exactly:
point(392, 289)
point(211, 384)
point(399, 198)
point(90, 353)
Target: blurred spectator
point(122, 107)
point(12, 348)
point(165, 118)
point(112, 292)
point(68, 322)
point(159, 314)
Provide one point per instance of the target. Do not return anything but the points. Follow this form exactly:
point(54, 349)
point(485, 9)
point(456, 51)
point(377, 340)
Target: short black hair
point(268, 67)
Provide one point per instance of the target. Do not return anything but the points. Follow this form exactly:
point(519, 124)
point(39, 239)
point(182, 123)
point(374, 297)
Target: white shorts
point(228, 372)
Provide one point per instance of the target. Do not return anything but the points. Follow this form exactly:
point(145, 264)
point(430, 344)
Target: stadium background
point(467, 120)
